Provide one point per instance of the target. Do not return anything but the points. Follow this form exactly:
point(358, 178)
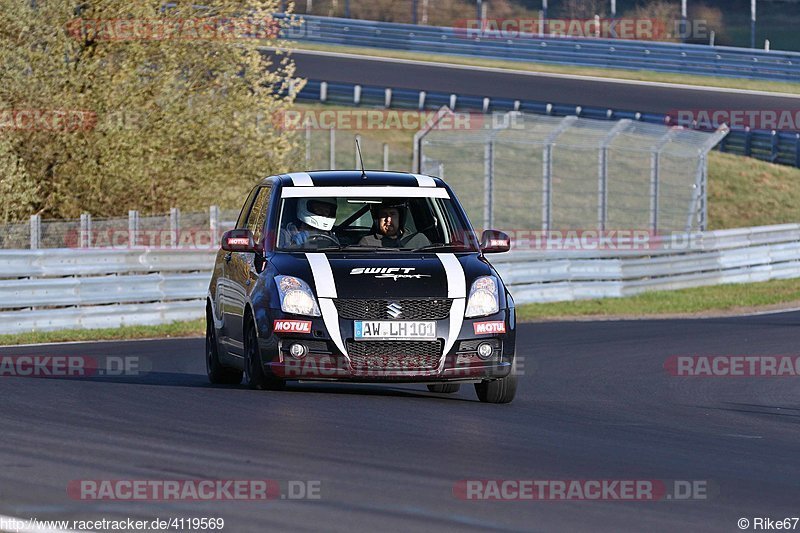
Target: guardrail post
point(36, 232)
point(308, 145)
point(85, 240)
point(133, 228)
point(488, 183)
point(797, 150)
point(333, 149)
point(174, 226)
point(385, 156)
point(387, 98)
point(213, 224)
point(323, 91)
point(357, 94)
point(774, 147)
point(421, 100)
point(748, 143)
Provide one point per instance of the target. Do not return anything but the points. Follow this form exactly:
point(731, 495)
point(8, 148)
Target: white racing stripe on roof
point(301, 179)
point(456, 289)
point(425, 181)
point(365, 192)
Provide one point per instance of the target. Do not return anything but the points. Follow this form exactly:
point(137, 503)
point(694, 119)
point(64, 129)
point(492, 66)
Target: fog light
point(485, 350)
point(298, 351)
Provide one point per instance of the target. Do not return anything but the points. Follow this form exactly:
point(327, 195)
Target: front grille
point(395, 355)
point(418, 309)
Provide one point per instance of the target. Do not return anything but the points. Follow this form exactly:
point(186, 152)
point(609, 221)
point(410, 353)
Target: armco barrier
point(69, 288)
point(781, 147)
point(607, 53)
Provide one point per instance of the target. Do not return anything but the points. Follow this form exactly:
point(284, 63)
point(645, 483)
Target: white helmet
point(318, 213)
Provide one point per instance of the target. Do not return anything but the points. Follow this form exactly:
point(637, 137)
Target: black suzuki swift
point(360, 277)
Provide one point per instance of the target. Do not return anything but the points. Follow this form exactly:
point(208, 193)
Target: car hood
point(365, 276)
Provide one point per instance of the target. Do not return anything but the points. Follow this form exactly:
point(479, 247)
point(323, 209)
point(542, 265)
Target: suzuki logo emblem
point(394, 309)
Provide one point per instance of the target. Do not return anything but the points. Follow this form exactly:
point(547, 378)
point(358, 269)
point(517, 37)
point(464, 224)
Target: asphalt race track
point(595, 402)
point(643, 97)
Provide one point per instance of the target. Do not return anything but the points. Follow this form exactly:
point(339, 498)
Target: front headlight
point(483, 298)
point(296, 296)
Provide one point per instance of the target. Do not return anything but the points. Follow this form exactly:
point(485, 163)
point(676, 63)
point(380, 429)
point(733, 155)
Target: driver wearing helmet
point(315, 220)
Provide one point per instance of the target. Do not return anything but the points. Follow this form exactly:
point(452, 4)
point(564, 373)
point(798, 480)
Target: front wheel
point(257, 378)
point(500, 390)
point(218, 374)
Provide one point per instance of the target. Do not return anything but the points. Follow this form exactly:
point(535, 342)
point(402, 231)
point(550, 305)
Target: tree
point(107, 106)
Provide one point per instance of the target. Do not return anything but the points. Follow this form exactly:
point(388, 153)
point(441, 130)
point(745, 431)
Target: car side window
point(245, 212)
point(258, 214)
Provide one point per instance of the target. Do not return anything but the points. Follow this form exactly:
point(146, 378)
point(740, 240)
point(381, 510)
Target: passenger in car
point(389, 229)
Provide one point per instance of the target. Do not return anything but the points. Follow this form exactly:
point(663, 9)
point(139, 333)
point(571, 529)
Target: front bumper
point(324, 361)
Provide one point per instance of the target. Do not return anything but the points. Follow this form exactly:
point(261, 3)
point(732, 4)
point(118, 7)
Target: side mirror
point(240, 240)
point(493, 242)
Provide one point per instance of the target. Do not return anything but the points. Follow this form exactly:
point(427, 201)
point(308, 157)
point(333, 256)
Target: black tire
point(257, 378)
point(218, 374)
point(500, 390)
point(444, 388)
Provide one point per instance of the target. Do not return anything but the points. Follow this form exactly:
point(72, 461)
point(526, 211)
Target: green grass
point(194, 328)
point(638, 75)
point(746, 192)
point(720, 298)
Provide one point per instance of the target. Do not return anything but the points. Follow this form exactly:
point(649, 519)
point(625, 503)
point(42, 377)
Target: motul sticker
point(483, 328)
point(292, 326)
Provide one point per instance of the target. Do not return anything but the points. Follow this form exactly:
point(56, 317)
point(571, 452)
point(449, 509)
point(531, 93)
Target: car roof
point(355, 178)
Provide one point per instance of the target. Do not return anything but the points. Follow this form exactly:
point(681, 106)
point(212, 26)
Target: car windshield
point(350, 223)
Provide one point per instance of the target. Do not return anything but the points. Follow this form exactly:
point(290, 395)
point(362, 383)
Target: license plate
point(394, 330)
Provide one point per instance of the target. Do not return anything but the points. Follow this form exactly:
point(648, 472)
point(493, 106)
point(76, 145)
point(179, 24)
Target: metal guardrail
point(781, 147)
point(101, 288)
point(86, 288)
point(606, 53)
point(716, 257)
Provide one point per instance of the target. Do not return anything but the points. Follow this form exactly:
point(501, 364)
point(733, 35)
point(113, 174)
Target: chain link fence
point(568, 173)
point(175, 230)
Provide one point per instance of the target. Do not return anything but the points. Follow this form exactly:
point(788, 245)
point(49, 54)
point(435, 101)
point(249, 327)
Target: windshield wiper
point(438, 245)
